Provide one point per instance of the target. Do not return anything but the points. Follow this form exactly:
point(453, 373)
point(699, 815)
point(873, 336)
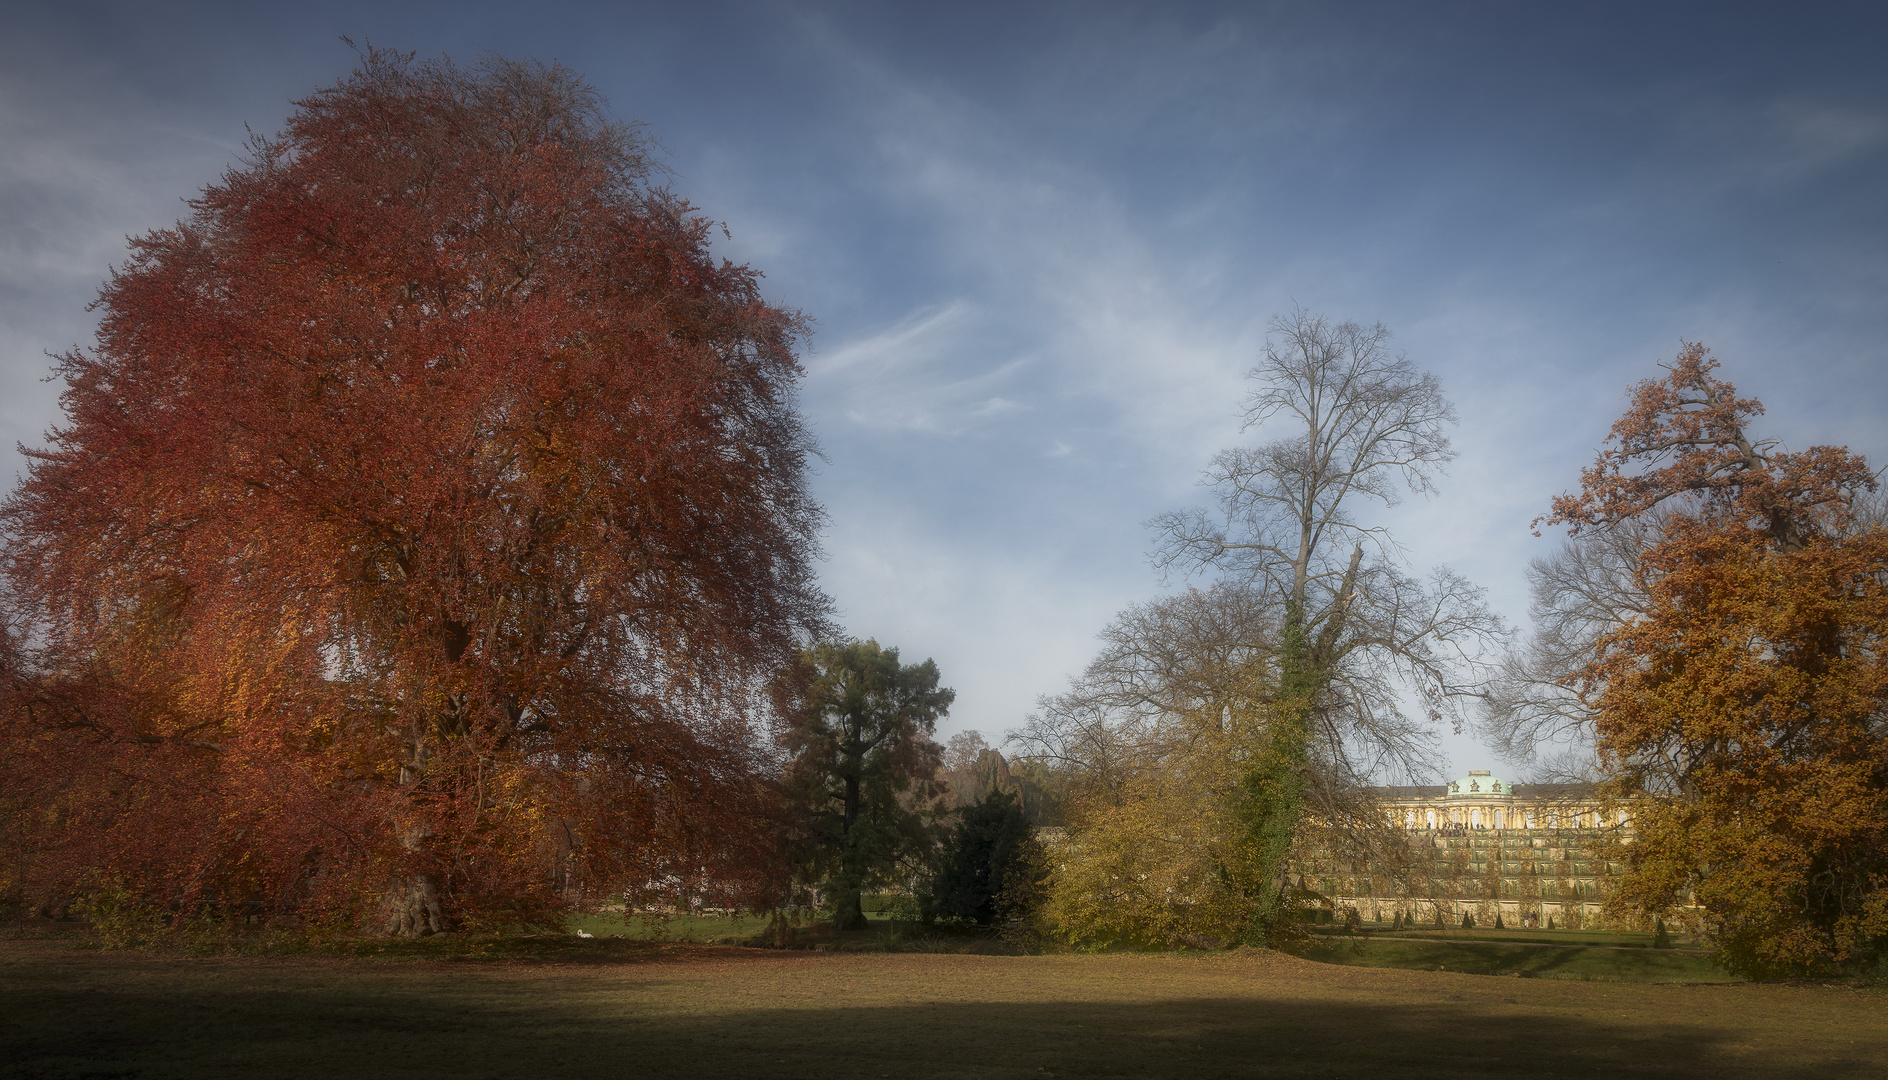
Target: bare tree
point(1354, 633)
point(1530, 716)
point(1166, 668)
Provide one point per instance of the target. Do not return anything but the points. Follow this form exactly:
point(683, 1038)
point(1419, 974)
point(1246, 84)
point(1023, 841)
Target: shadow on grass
point(98, 1016)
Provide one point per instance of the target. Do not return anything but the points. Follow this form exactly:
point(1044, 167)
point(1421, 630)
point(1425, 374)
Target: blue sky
point(1040, 243)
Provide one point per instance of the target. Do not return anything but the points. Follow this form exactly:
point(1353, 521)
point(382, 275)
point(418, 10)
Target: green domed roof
point(1480, 783)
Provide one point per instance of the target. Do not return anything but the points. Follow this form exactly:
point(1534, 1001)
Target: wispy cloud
point(1813, 137)
point(911, 342)
point(911, 376)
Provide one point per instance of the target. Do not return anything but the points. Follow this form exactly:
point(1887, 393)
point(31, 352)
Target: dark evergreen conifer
point(989, 866)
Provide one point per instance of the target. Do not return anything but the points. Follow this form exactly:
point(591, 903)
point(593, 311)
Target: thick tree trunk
point(1273, 794)
point(847, 912)
point(779, 931)
point(1274, 787)
point(412, 907)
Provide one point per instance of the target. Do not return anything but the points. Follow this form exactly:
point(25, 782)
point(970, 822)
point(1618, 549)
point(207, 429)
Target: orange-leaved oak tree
point(1746, 699)
point(429, 519)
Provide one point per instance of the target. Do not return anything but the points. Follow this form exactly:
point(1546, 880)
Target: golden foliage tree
point(1752, 698)
point(1150, 859)
point(1745, 697)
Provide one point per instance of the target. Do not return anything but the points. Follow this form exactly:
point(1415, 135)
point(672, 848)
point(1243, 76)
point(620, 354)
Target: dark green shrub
point(991, 868)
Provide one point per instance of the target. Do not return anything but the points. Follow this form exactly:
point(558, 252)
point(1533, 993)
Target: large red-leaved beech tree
point(429, 517)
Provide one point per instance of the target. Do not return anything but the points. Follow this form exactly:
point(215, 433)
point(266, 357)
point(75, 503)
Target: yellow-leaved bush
point(1151, 861)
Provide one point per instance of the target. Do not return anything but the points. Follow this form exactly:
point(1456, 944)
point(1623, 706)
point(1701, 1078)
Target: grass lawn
point(1528, 960)
point(882, 934)
point(629, 1008)
point(677, 928)
point(1624, 939)
point(1541, 954)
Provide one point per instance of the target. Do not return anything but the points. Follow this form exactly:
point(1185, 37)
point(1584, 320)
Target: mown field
point(1528, 960)
point(1536, 954)
point(1591, 955)
point(629, 1008)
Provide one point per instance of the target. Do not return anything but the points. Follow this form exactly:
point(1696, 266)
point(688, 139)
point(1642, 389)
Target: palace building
point(1483, 847)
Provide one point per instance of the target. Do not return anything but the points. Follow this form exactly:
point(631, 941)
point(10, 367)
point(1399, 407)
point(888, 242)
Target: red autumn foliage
point(1691, 426)
point(1745, 705)
point(429, 518)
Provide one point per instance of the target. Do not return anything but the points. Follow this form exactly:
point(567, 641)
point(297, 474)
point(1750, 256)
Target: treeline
point(1710, 644)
